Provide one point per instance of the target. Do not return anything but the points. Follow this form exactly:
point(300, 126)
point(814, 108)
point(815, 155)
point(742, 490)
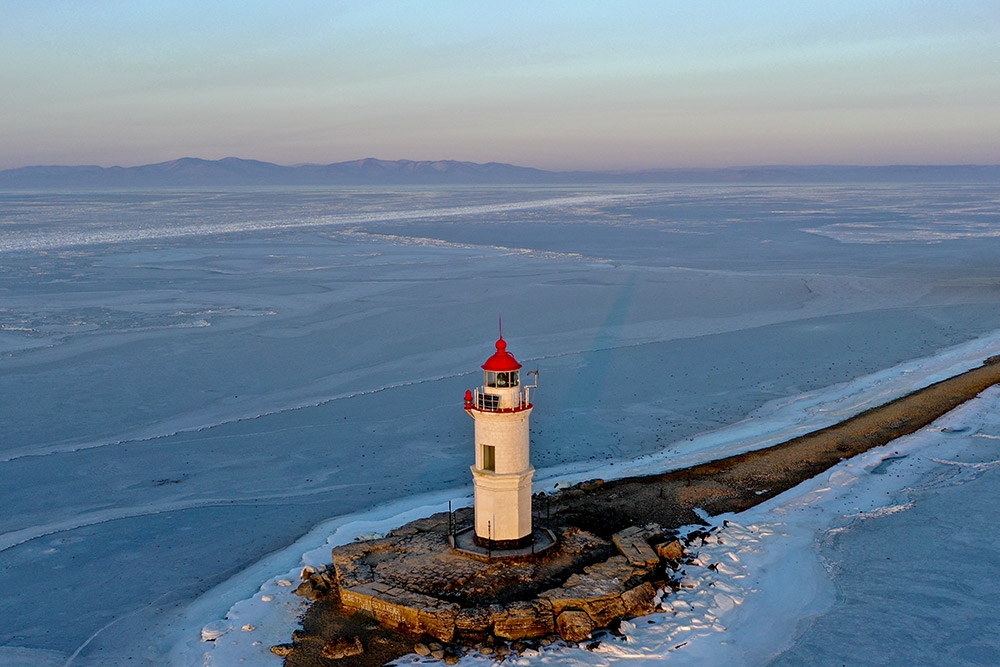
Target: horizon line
point(609, 170)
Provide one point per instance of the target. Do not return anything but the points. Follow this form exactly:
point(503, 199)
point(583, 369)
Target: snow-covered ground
point(200, 389)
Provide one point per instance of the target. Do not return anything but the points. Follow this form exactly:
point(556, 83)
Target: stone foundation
point(412, 582)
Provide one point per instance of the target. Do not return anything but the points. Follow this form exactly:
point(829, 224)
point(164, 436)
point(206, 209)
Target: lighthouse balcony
point(510, 400)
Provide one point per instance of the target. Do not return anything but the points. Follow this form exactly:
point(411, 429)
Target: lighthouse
point(502, 474)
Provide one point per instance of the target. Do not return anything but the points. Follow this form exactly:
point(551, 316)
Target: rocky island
point(615, 553)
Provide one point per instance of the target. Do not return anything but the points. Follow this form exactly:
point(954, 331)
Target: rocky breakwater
point(412, 583)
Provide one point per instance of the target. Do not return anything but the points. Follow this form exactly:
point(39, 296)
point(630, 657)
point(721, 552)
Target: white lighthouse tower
point(502, 473)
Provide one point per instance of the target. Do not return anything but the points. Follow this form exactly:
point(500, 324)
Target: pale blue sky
point(555, 85)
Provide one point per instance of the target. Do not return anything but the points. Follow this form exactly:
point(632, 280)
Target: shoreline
point(730, 484)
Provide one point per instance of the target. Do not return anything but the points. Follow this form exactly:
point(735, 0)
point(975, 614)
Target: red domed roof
point(502, 360)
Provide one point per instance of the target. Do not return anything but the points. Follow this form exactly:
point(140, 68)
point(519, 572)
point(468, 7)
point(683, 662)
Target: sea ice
point(230, 382)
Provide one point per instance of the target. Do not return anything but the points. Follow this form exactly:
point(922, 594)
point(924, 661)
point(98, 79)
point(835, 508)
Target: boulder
point(342, 647)
point(307, 590)
point(422, 650)
point(601, 609)
point(574, 625)
point(670, 550)
point(638, 601)
point(605, 609)
point(326, 577)
point(632, 544)
point(282, 650)
point(523, 620)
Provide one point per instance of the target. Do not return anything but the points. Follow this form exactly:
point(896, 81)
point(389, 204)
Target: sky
point(554, 85)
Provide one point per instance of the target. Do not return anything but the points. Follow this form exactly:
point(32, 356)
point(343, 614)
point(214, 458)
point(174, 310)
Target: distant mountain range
point(194, 173)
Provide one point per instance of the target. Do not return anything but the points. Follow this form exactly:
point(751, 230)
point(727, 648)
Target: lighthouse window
point(489, 457)
point(504, 379)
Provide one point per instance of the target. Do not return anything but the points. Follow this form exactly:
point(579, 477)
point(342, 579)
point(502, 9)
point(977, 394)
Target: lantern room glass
point(503, 378)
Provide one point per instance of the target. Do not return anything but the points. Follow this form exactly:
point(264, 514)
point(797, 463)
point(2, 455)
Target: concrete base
point(466, 544)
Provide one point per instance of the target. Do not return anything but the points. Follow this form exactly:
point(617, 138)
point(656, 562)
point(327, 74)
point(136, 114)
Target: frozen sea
point(202, 391)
